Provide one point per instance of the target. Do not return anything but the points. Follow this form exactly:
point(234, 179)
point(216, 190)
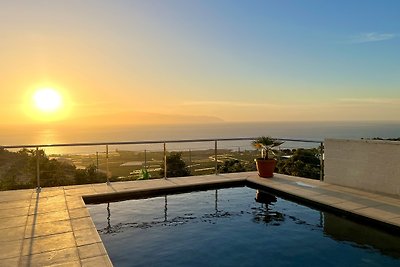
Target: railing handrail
point(150, 142)
point(164, 142)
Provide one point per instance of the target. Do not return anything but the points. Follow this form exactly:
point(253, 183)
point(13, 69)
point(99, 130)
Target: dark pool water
point(228, 227)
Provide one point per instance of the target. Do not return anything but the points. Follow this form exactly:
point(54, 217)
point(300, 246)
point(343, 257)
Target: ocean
point(296, 130)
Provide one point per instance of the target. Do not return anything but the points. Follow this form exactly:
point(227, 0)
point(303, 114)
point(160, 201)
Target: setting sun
point(47, 100)
point(47, 103)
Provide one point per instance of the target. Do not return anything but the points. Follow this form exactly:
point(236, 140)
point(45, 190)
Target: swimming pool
point(236, 227)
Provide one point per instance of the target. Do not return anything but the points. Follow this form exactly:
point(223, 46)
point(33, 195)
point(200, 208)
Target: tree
point(303, 163)
point(52, 171)
point(14, 170)
point(176, 166)
point(89, 175)
point(231, 165)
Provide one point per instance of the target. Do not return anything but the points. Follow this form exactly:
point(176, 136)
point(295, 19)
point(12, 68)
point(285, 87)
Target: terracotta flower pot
point(265, 167)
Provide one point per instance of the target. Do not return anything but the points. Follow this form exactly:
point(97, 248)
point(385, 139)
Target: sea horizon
point(318, 131)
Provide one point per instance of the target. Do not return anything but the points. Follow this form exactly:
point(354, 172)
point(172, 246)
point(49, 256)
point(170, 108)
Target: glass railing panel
point(87, 163)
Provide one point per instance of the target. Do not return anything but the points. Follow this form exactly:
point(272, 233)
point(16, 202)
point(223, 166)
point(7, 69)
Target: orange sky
point(137, 62)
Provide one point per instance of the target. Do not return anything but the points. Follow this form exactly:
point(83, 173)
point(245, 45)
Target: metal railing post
point(165, 161)
point(216, 156)
point(36, 148)
point(145, 160)
point(38, 189)
point(107, 169)
point(321, 177)
point(190, 161)
point(97, 161)
point(216, 201)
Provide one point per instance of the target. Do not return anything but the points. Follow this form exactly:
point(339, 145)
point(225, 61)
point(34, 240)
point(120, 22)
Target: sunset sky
point(132, 61)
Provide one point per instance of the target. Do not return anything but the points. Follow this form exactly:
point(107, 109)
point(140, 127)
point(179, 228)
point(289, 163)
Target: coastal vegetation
point(383, 139)
point(176, 166)
point(300, 162)
point(18, 168)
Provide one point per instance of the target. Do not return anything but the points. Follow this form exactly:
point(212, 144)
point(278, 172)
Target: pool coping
point(54, 227)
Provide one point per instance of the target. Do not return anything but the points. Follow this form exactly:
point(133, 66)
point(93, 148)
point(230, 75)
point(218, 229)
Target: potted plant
point(265, 164)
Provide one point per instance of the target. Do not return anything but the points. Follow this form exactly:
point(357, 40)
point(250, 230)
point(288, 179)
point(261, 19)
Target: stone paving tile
point(79, 186)
point(54, 216)
point(67, 264)
point(389, 208)
point(6, 213)
point(104, 188)
point(305, 193)
point(76, 205)
point(79, 213)
point(74, 202)
point(204, 179)
point(389, 200)
point(82, 223)
point(364, 201)
point(11, 262)
point(348, 205)
point(282, 187)
point(48, 243)
point(72, 199)
point(47, 207)
point(14, 204)
point(96, 262)
point(80, 191)
point(51, 258)
point(361, 200)
point(12, 222)
point(324, 199)
point(178, 181)
point(48, 200)
point(15, 195)
point(353, 191)
point(375, 213)
point(395, 221)
point(238, 175)
point(50, 228)
point(121, 187)
point(86, 236)
point(261, 180)
point(10, 249)
point(92, 250)
point(49, 192)
point(12, 233)
point(292, 179)
point(338, 194)
point(182, 182)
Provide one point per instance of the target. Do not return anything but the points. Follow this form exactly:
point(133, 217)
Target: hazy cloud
point(372, 37)
point(370, 100)
point(228, 103)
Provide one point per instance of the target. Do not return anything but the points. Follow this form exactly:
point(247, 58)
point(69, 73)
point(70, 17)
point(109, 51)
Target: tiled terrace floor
point(54, 228)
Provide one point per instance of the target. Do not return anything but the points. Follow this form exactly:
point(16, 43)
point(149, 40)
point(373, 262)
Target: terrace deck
point(54, 227)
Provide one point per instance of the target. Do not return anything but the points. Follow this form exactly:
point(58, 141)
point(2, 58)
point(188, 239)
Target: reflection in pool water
point(236, 226)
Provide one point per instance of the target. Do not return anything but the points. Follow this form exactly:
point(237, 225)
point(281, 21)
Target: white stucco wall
point(363, 164)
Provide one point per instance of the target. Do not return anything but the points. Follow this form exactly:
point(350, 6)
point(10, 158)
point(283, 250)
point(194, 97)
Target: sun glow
point(47, 104)
point(47, 100)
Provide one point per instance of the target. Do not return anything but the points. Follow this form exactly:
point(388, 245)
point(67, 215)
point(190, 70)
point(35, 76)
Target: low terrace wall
point(363, 164)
